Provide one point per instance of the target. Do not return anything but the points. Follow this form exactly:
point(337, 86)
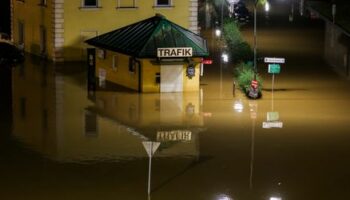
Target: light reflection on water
point(67, 141)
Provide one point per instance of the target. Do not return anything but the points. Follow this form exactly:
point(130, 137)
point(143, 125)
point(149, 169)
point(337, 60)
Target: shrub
point(244, 74)
point(239, 49)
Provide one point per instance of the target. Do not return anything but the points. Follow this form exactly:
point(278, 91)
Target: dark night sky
point(5, 16)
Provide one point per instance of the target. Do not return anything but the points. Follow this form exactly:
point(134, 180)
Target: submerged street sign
point(276, 124)
point(274, 68)
point(174, 52)
point(274, 60)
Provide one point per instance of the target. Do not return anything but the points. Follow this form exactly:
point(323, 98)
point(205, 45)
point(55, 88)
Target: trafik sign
point(174, 52)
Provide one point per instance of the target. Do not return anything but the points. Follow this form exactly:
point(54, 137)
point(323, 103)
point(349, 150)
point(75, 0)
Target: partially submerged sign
point(174, 52)
point(275, 124)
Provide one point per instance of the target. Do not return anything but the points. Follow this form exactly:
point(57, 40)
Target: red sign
point(254, 84)
point(207, 61)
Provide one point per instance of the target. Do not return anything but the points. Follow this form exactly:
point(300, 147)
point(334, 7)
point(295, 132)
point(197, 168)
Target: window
point(114, 62)
point(101, 54)
point(133, 64)
point(163, 3)
point(90, 124)
point(20, 33)
point(90, 3)
point(42, 2)
point(126, 4)
point(42, 40)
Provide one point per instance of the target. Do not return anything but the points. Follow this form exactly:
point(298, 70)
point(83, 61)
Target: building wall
point(121, 74)
point(84, 23)
point(192, 84)
point(34, 17)
point(68, 25)
point(336, 53)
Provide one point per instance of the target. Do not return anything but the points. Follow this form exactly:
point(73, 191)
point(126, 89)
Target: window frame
point(84, 6)
point(115, 62)
point(134, 6)
point(157, 5)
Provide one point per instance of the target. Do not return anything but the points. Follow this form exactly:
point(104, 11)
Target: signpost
point(151, 148)
point(274, 67)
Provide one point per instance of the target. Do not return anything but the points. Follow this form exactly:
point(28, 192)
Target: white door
point(171, 78)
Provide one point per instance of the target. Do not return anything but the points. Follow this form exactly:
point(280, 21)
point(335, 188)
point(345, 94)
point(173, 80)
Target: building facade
point(57, 29)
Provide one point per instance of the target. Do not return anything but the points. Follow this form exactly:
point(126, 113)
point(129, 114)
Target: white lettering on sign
point(274, 60)
point(276, 124)
point(174, 52)
point(175, 135)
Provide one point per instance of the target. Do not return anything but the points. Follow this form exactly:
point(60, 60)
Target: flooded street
point(59, 140)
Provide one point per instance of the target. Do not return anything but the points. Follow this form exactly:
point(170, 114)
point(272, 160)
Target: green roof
point(142, 39)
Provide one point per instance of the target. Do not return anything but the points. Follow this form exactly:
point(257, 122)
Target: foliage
point(244, 74)
point(261, 2)
point(239, 49)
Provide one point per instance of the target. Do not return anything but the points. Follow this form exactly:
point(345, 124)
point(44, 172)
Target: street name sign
point(274, 60)
point(174, 52)
point(274, 68)
point(276, 124)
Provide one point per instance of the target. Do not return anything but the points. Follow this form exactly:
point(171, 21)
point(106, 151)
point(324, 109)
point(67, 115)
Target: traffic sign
point(274, 60)
point(274, 68)
point(254, 84)
point(150, 147)
point(276, 124)
point(272, 116)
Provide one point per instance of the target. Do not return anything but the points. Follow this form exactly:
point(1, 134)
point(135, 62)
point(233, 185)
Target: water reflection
point(53, 116)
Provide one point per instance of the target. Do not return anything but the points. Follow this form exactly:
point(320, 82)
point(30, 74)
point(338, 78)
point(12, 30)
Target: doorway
point(171, 78)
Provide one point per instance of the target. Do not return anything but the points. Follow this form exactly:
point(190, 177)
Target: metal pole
point(222, 15)
point(252, 150)
point(149, 171)
point(255, 42)
point(273, 84)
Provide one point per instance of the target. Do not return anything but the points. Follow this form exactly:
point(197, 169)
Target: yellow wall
point(81, 24)
point(193, 83)
point(122, 76)
point(38, 89)
point(149, 76)
point(33, 16)
point(146, 110)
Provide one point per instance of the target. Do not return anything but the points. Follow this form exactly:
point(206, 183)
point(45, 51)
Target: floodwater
point(59, 140)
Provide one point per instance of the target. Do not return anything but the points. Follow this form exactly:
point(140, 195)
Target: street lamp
point(255, 43)
point(255, 35)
